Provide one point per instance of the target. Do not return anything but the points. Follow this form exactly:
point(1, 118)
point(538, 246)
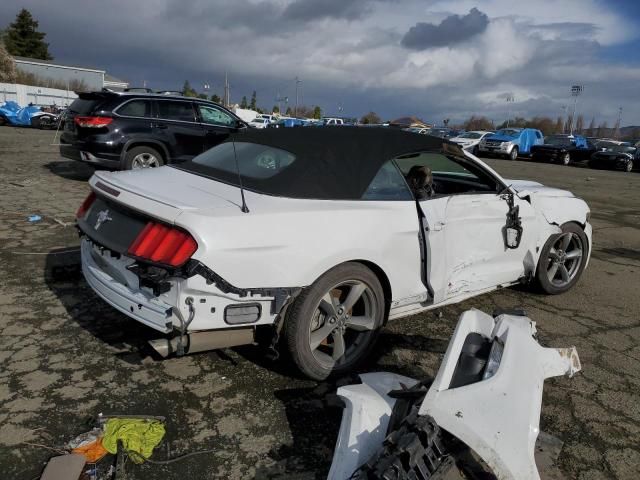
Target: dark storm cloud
point(306, 10)
point(453, 29)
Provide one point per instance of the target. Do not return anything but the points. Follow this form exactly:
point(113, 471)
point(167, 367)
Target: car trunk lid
point(127, 201)
point(86, 104)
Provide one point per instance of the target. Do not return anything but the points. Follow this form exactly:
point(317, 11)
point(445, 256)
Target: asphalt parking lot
point(66, 356)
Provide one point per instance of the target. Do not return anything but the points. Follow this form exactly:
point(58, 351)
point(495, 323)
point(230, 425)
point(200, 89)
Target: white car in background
point(261, 121)
point(316, 237)
point(470, 140)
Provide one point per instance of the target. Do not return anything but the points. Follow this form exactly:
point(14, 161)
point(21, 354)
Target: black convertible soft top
point(336, 163)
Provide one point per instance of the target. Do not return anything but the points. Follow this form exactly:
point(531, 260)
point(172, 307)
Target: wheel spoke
point(564, 273)
point(354, 295)
point(553, 254)
point(577, 253)
point(360, 323)
point(566, 240)
point(551, 273)
point(328, 304)
point(338, 345)
point(319, 335)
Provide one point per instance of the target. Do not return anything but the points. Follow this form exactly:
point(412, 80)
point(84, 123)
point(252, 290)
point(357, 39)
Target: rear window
point(84, 106)
point(255, 161)
point(182, 111)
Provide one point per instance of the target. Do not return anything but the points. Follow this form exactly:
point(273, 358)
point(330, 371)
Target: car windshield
point(558, 140)
point(509, 132)
point(258, 120)
point(473, 135)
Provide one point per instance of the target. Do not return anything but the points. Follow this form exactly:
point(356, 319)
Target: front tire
point(566, 159)
point(513, 155)
point(629, 166)
point(562, 260)
point(333, 324)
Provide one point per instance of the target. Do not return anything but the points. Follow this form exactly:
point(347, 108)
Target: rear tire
point(562, 260)
point(629, 166)
point(326, 331)
point(566, 159)
point(142, 157)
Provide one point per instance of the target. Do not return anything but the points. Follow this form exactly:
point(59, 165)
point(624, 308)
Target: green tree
point(215, 98)
point(243, 102)
point(23, 39)
point(187, 90)
point(253, 104)
point(289, 112)
point(370, 118)
point(203, 96)
point(317, 112)
point(275, 109)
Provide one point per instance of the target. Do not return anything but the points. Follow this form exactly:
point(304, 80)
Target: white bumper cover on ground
point(498, 417)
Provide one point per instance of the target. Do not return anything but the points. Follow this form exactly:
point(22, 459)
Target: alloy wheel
point(144, 160)
point(564, 259)
point(342, 321)
point(629, 166)
point(566, 159)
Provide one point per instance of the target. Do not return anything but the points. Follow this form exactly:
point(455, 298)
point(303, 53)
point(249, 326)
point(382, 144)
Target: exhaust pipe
point(203, 341)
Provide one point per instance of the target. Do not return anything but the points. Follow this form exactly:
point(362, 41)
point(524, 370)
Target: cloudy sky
point(432, 58)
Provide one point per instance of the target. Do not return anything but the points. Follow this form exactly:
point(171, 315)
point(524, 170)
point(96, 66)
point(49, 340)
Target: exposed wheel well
point(384, 281)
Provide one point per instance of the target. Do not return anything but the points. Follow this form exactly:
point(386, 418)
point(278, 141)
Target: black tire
point(629, 166)
point(135, 153)
point(414, 451)
point(3, 121)
point(513, 155)
point(476, 151)
point(306, 315)
point(574, 270)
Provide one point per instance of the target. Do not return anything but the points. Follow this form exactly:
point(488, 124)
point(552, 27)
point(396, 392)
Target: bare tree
point(591, 131)
point(579, 124)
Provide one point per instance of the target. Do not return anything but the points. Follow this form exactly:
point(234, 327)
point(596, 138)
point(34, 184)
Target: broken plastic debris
point(34, 218)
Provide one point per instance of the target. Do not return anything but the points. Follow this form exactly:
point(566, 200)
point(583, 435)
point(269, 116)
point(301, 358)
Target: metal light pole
point(510, 99)
point(295, 112)
point(576, 90)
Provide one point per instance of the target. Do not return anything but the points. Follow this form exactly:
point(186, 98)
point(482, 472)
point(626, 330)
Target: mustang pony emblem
point(103, 216)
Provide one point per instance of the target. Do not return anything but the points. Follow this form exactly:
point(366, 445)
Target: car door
point(464, 224)
point(176, 126)
point(216, 124)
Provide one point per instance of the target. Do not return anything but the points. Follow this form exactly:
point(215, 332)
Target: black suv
point(127, 130)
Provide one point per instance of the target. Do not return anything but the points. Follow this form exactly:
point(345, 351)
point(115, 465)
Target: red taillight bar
point(92, 122)
point(86, 204)
point(163, 244)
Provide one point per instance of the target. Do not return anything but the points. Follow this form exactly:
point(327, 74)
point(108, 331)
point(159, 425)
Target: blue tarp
point(17, 115)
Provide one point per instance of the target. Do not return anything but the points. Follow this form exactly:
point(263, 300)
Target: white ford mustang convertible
point(314, 237)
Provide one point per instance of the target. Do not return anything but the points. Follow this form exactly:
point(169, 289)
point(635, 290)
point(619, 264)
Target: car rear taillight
point(92, 122)
point(86, 205)
point(163, 244)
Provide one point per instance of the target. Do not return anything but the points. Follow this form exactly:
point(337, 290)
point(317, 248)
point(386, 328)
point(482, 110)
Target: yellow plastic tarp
point(138, 435)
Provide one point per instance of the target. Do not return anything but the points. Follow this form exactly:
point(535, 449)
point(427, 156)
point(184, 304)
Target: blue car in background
point(31, 116)
point(287, 123)
point(510, 142)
